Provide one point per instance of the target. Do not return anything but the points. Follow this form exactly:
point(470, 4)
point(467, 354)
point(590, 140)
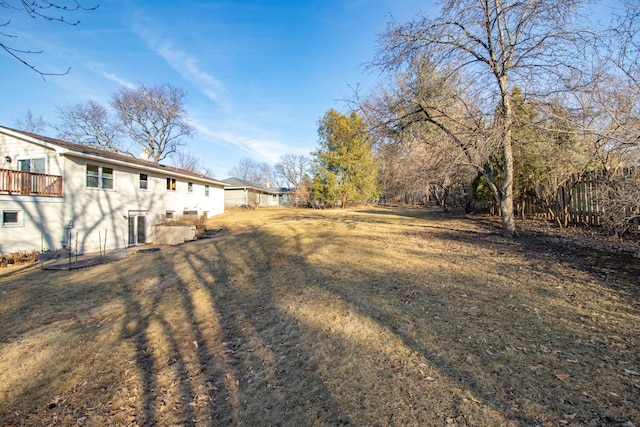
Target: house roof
point(237, 183)
point(82, 150)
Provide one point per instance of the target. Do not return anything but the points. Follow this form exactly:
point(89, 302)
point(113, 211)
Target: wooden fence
point(581, 200)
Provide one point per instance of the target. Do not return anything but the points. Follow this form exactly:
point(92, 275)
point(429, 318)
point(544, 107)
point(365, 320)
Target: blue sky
point(259, 73)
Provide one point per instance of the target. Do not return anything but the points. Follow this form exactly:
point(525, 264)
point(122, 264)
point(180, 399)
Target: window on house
point(171, 184)
point(206, 191)
point(93, 174)
point(144, 181)
point(107, 178)
point(99, 177)
point(190, 187)
point(10, 218)
point(168, 215)
point(31, 165)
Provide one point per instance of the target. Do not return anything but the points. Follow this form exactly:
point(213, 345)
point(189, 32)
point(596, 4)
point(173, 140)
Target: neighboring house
point(286, 196)
point(243, 193)
point(56, 194)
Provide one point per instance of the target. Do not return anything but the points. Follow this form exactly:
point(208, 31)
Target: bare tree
point(91, 124)
point(617, 90)
point(619, 97)
point(253, 171)
point(31, 123)
point(416, 159)
point(301, 196)
point(481, 50)
point(53, 11)
point(153, 117)
point(188, 161)
point(620, 201)
point(412, 171)
point(624, 47)
point(292, 168)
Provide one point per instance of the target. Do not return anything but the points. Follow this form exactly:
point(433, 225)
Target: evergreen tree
point(344, 168)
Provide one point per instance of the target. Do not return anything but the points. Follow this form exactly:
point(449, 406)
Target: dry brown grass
point(298, 317)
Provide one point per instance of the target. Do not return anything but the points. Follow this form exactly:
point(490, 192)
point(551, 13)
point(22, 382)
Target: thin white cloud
point(250, 147)
point(181, 61)
point(189, 68)
point(99, 69)
point(225, 128)
point(258, 148)
point(116, 79)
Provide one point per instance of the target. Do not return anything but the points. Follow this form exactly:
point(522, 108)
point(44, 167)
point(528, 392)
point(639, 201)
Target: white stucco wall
point(17, 150)
point(41, 224)
point(40, 218)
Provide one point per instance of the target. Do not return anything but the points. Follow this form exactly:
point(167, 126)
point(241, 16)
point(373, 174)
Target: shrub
point(20, 257)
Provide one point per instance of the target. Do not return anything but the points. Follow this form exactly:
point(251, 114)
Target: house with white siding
point(56, 194)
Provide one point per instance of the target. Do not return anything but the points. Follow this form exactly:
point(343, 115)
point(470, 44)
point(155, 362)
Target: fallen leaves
point(55, 402)
point(199, 401)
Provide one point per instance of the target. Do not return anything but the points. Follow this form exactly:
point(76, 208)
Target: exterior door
point(29, 183)
point(137, 228)
point(142, 230)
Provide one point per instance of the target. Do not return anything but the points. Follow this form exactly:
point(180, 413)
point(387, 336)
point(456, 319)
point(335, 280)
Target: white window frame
point(206, 190)
point(101, 177)
point(19, 216)
point(146, 181)
point(189, 187)
point(113, 178)
point(31, 164)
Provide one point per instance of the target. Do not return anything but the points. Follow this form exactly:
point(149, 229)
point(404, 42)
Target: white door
point(137, 228)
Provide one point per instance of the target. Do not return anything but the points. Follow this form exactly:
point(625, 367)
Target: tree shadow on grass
point(510, 350)
point(280, 329)
point(276, 383)
point(516, 362)
point(232, 360)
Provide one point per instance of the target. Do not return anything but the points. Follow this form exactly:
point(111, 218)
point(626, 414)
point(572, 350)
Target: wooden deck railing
point(30, 184)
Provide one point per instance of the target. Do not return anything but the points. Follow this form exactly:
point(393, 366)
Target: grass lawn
point(372, 317)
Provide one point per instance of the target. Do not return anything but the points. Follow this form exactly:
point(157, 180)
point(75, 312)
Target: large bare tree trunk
point(506, 201)
point(507, 216)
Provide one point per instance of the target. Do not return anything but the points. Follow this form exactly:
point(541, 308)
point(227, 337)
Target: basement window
point(190, 213)
point(11, 218)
